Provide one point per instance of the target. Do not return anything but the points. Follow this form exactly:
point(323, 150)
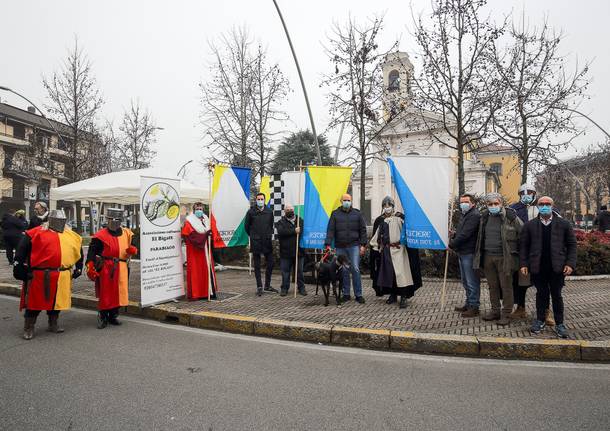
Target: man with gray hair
point(497, 253)
point(41, 214)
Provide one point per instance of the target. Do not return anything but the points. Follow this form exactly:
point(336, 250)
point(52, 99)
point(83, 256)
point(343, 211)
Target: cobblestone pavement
point(587, 305)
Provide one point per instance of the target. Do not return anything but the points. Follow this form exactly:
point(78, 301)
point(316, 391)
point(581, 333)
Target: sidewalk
point(587, 305)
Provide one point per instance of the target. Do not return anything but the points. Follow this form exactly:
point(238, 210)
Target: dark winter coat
point(259, 227)
point(287, 236)
point(522, 210)
point(465, 240)
point(563, 245)
point(510, 231)
point(13, 226)
point(346, 228)
point(602, 221)
point(37, 221)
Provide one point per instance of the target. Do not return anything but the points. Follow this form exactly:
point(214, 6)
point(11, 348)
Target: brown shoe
point(549, 319)
point(471, 312)
point(493, 315)
point(519, 313)
point(461, 309)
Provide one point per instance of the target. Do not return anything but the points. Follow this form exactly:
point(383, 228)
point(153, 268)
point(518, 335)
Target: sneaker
point(283, 292)
point(114, 321)
point(492, 316)
point(102, 322)
point(259, 291)
point(461, 309)
point(270, 289)
point(537, 326)
point(561, 331)
point(360, 299)
point(471, 312)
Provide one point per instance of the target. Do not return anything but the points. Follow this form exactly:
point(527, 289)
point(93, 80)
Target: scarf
point(200, 225)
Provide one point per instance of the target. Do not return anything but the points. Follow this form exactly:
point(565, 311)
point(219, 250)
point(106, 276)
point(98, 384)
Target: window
point(394, 81)
point(497, 168)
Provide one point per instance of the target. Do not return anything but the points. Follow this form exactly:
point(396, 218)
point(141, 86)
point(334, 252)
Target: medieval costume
point(48, 257)
point(108, 265)
point(398, 270)
point(200, 274)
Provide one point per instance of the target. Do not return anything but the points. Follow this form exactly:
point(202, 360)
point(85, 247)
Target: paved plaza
point(587, 304)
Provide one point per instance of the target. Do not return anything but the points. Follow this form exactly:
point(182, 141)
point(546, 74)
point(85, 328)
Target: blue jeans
point(287, 267)
point(353, 254)
point(470, 280)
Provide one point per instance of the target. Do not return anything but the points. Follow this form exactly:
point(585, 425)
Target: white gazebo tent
point(121, 188)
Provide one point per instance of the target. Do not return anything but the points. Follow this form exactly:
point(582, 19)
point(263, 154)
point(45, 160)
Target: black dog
point(330, 272)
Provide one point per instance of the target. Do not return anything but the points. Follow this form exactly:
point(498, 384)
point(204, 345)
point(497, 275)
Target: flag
point(422, 185)
point(230, 202)
point(323, 189)
point(292, 183)
point(264, 188)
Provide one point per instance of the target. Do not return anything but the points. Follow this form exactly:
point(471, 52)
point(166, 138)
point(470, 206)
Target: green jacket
point(510, 231)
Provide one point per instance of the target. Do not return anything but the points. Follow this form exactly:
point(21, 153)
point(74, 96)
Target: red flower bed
point(593, 253)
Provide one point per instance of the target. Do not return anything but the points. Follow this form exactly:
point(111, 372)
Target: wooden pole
point(450, 224)
point(296, 259)
point(210, 237)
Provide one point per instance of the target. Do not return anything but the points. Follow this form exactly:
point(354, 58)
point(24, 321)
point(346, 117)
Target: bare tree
point(75, 100)
point(137, 136)
point(356, 91)
point(456, 78)
point(227, 97)
point(269, 88)
point(534, 90)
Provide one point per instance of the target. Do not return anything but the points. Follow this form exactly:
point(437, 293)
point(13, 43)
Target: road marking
point(351, 350)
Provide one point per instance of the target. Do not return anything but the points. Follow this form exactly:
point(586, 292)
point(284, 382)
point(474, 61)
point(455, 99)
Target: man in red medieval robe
point(200, 274)
point(108, 265)
point(48, 257)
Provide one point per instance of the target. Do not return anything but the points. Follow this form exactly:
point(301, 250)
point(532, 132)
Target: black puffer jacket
point(346, 228)
point(259, 227)
point(287, 235)
point(465, 240)
point(13, 226)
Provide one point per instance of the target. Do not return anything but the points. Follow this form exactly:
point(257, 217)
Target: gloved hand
point(131, 250)
point(91, 272)
point(76, 273)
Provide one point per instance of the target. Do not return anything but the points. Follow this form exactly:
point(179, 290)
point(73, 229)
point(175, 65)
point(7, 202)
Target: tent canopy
point(123, 188)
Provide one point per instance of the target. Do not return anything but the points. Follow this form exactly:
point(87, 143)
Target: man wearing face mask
point(464, 244)
point(108, 265)
point(398, 272)
point(548, 253)
point(259, 227)
point(497, 253)
point(48, 258)
point(200, 274)
point(347, 230)
point(288, 228)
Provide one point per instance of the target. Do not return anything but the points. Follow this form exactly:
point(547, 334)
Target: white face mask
point(388, 210)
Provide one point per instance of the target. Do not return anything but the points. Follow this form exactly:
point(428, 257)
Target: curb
point(378, 339)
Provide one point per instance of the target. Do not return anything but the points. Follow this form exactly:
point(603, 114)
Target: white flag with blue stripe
point(422, 185)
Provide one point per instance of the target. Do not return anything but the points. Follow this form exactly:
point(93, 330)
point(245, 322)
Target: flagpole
point(209, 248)
point(296, 260)
point(450, 224)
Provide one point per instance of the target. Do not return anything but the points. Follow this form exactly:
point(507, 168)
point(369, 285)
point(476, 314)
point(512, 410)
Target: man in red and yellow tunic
point(107, 264)
point(200, 275)
point(48, 257)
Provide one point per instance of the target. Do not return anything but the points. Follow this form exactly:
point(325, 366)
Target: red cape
point(200, 274)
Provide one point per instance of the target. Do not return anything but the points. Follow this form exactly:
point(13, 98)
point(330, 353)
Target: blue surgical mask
point(545, 209)
point(494, 210)
point(347, 204)
point(527, 199)
point(260, 203)
point(198, 213)
point(464, 207)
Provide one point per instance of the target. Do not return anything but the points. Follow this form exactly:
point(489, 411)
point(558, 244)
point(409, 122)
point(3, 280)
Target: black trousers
point(11, 243)
point(268, 269)
point(519, 292)
point(111, 313)
point(35, 313)
point(549, 285)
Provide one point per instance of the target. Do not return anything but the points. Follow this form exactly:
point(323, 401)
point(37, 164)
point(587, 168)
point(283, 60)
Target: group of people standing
point(517, 246)
point(49, 256)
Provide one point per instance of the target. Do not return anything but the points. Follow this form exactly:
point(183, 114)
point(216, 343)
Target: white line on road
point(352, 350)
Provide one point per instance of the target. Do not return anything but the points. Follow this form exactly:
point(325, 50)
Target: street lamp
point(182, 168)
point(38, 109)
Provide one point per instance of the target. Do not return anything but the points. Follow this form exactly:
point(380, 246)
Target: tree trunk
point(460, 166)
point(362, 183)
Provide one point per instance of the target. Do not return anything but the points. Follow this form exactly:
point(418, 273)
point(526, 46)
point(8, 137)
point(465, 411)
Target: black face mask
point(290, 214)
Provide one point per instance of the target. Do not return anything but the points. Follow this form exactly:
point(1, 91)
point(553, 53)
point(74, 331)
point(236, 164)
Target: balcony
point(12, 140)
point(29, 167)
point(15, 193)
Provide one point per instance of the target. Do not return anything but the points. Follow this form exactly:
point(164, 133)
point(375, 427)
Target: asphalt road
point(153, 376)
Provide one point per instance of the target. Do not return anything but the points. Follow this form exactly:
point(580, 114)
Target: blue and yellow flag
point(324, 186)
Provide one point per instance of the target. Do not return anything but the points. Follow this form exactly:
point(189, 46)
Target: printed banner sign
point(230, 202)
point(160, 249)
point(422, 185)
point(323, 189)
